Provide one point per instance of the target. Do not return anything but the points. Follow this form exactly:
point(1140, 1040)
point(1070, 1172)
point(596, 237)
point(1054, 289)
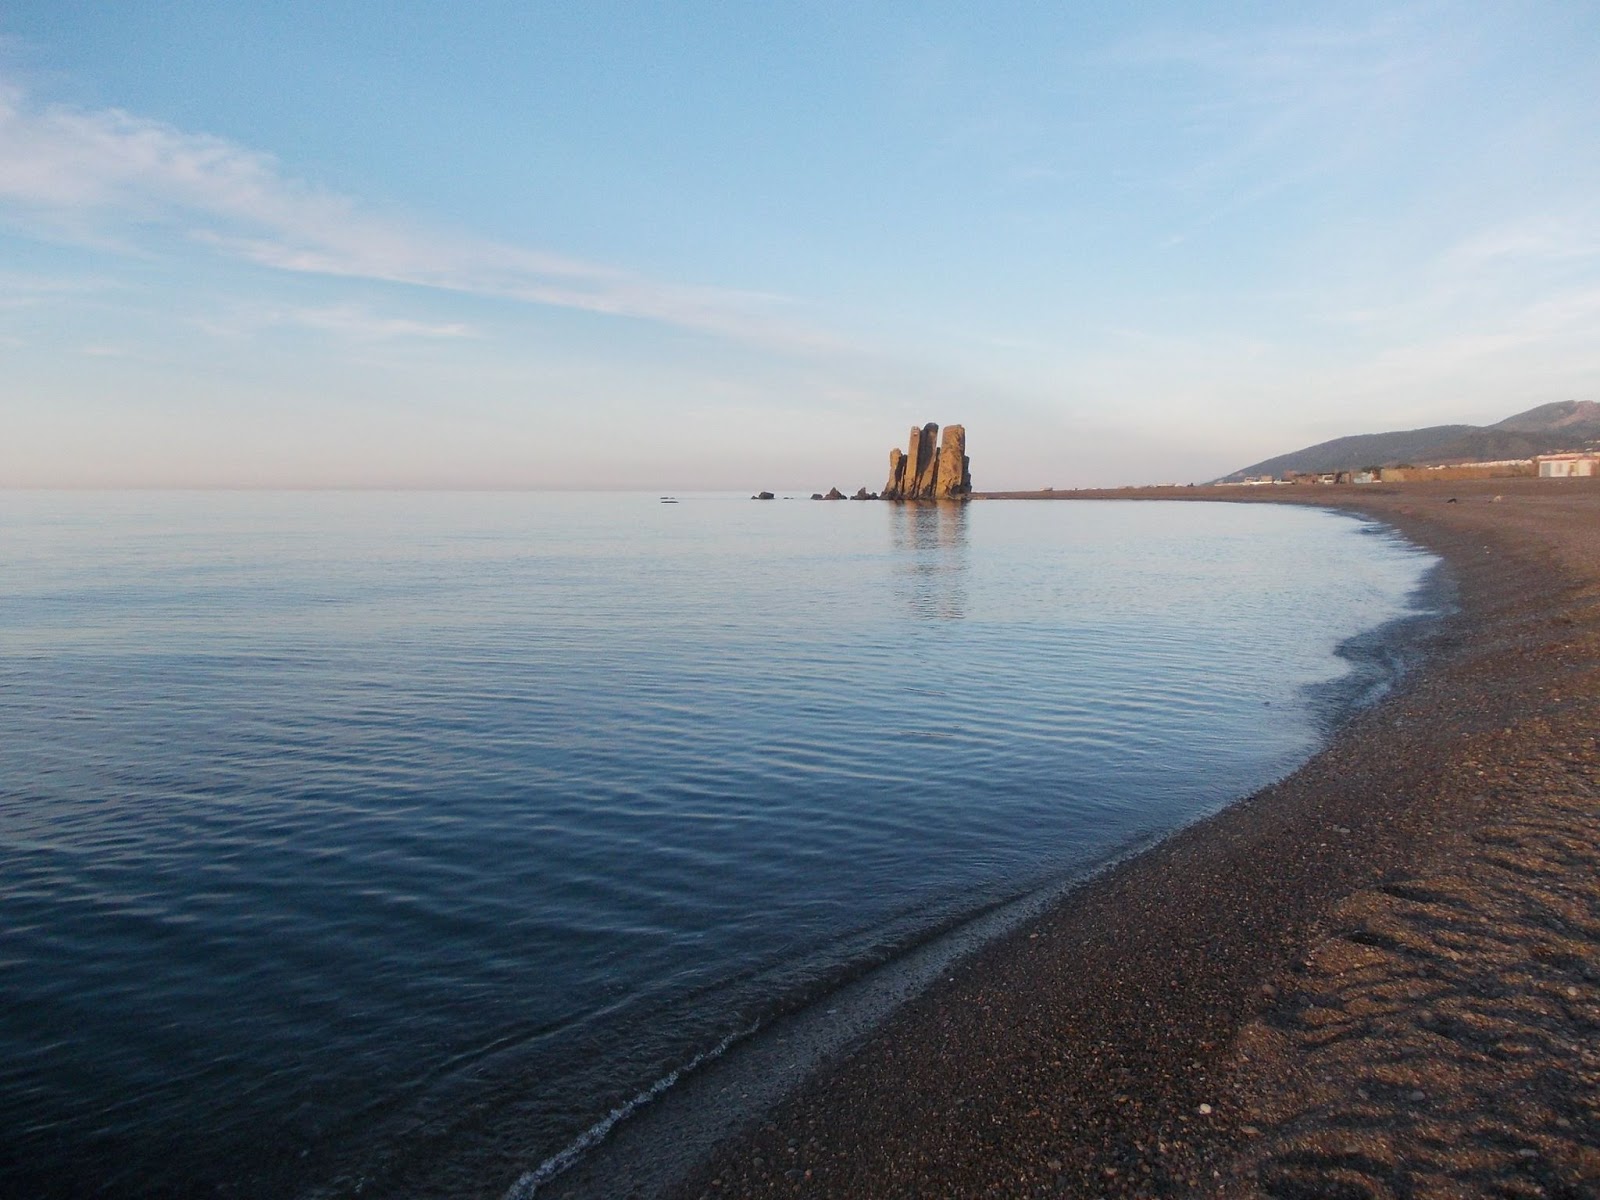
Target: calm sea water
point(385, 842)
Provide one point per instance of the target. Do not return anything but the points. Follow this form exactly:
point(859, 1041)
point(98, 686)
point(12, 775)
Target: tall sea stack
point(930, 470)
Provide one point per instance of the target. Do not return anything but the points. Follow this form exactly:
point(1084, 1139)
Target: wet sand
point(1378, 977)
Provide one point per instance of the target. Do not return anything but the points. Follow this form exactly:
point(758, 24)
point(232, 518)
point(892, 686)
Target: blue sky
point(748, 245)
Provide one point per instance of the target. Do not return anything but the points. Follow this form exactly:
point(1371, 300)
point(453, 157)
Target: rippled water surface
point(387, 841)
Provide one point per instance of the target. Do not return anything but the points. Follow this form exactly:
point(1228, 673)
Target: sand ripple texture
point(1442, 1036)
point(1445, 1039)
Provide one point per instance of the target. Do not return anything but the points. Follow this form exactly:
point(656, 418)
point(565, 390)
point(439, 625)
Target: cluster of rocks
point(930, 469)
point(833, 494)
point(927, 469)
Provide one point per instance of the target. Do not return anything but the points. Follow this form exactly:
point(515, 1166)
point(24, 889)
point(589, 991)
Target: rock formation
point(920, 451)
point(929, 470)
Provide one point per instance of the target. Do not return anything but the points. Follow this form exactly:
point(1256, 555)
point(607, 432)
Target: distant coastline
point(1381, 498)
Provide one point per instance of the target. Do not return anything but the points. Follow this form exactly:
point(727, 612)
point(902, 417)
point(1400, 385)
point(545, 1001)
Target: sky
point(744, 246)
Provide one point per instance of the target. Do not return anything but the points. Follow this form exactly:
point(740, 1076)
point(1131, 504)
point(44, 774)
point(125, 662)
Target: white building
point(1565, 466)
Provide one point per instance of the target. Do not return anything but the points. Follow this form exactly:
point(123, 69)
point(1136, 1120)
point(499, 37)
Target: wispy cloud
point(1522, 272)
point(1564, 319)
point(1271, 108)
point(1301, 66)
point(1547, 239)
point(104, 174)
point(24, 290)
point(350, 322)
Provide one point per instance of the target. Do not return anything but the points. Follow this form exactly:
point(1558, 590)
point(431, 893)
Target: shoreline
point(648, 1145)
point(1232, 1012)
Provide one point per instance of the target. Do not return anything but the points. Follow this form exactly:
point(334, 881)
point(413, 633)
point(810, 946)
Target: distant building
point(1567, 466)
point(1247, 481)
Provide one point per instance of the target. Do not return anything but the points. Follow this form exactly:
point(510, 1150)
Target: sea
point(409, 844)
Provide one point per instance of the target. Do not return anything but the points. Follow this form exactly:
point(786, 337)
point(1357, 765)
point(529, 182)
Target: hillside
point(1564, 425)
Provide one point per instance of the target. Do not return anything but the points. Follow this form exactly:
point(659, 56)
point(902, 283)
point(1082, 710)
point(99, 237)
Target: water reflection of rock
point(930, 551)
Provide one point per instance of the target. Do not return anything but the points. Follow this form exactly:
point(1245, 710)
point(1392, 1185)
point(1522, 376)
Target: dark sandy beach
point(1379, 977)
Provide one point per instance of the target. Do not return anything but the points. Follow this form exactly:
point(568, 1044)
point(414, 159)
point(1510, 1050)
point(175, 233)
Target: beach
point(1377, 977)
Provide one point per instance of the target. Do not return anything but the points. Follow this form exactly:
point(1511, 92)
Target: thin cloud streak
point(350, 322)
point(1543, 239)
point(353, 322)
point(1292, 104)
point(87, 175)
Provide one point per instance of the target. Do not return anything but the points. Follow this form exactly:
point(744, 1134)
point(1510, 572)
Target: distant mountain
point(1563, 414)
point(1564, 425)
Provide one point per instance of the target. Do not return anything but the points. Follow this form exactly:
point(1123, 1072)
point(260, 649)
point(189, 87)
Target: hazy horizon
point(312, 245)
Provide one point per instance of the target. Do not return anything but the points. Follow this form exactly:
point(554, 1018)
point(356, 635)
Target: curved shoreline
point(1291, 964)
point(650, 1145)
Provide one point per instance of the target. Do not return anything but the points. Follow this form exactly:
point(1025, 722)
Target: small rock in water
point(1416, 1097)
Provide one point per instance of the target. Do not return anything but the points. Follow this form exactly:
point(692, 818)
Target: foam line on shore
point(651, 1153)
point(529, 1183)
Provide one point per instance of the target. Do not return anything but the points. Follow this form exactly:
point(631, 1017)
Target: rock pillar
point(896, 486)
point(929, 469)
point(927, 462)
point(951, 481)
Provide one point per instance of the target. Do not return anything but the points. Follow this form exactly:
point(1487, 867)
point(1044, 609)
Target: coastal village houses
point(1567, 465)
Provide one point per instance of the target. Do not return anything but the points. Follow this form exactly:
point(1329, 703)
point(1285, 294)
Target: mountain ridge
point(1545, 429)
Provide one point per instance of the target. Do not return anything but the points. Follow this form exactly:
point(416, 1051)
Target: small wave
point(531, 1181)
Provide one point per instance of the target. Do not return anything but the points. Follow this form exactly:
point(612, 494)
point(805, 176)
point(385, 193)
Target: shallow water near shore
point(388, 842)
